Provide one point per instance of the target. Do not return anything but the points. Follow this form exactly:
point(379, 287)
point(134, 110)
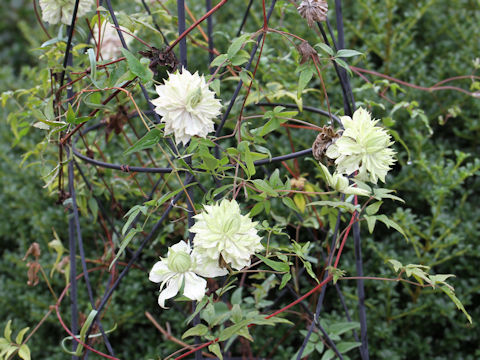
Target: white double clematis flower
point(187, 106)
point(55, 11)
point(341, 184)
point(180, 268)
point(223, 233)
point(363, 146)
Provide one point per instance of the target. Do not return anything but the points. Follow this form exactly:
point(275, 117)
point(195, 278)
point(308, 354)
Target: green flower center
point(193, 99)
point(230, 226)
point(179, 262)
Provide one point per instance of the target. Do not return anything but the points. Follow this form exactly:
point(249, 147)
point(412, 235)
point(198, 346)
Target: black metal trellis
point(75, 234)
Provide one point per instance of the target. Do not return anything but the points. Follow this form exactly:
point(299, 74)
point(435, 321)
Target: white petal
point(206, 266)
point(181, 246)
point(159, 272)
point(170, 290)
point(194, 286)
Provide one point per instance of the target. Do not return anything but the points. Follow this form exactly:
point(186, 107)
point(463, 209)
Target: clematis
point(110, 43)
point(341, 183)
point(55, 11)
point(363, 146)
point(181, 269)
point(224, 234)
point(187, 106)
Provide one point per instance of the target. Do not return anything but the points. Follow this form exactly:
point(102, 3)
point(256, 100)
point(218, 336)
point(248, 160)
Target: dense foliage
point(437, 132)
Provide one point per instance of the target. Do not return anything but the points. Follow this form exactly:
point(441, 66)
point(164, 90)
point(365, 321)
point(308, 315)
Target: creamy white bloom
point(341, 184)
point(181, 268)
point(222, 231)
point(363, 146)
point(55, 11)
point(187, 106)
point(110, 43)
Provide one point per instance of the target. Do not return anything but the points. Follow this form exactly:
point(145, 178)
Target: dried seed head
point(306, 52)
point(313, 11)
point(325, 138)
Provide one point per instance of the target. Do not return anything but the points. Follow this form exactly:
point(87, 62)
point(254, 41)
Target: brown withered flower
point(326, 137)
point(313, 11)
point(32, 273)
point(160, 58)
point(307, 52)
point(33, 250)
point(298, 184)
point(33, 266)
point(115, 122)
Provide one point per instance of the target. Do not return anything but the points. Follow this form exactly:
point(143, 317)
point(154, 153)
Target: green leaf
point(219, 60)
point(7, 333)
point(169, 195)
point(93, 206)
point(83, 330)
point(344, 65)
point(335, 204)
point(290, 203)
point(215, 86)
point(300, 202)
point(93, 64)
point(244, 149)
point(215, 348)
point(381, 193)
point(10, 351)
point(56, 245)
point(131, 234)
point(200, 306)
point(319, 347)
point(149, 140)
point(343, 327)
point(457, 302)
point(197, 330)
point(329, 354)
point(343, 53)
point(245, 333)
point(262, 185)
point(272, 125)
point(240, 58)
point(136, 67)
point(70, 116)
point(325, 48)
point(275, 265)
point(397, 265)
point(24, 352)
point(257, 209)
point(233, 330)
point(237, 296)
point(132, 213)
point(20, 335)
point(236, 313)
point(285, 279)
point(373, 208)
point(303, 80)
point(371, 220)
point(236, 45)
point(390, 223)
point(309, 348)
point(346, 346)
